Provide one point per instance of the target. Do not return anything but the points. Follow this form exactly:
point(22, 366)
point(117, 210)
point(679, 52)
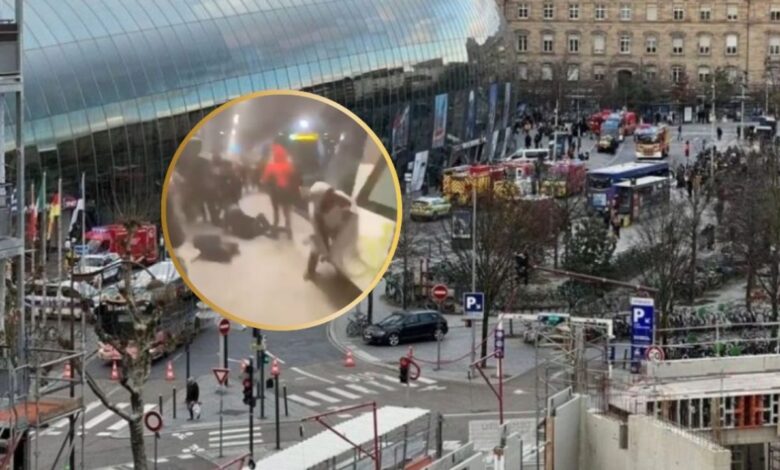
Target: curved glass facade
point(112, 86)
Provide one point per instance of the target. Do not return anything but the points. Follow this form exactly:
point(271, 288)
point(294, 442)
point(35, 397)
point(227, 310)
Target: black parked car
point(400, 326)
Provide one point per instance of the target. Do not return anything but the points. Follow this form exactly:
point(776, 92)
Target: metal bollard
point(161, 408)
point(511, 330)
point(174, 403)
point(286, 411)
point(625, 358)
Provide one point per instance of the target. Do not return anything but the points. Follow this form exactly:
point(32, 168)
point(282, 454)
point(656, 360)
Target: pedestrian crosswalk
point(234, 437)
point(98, 420)
point(345, 390)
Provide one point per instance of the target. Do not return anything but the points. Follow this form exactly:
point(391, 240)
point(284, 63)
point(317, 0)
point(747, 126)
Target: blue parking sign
point(474, 304)
point(642, 325)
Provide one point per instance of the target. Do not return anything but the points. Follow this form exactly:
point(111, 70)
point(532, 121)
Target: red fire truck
point(144, 247)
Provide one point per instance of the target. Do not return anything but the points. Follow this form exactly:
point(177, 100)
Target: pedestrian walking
point(538, 139)
point(719, 131)
point(679, 133)
point(527, 140)
point(687, 148)
point(280, 173)
point(192, 400)
point(616, 225)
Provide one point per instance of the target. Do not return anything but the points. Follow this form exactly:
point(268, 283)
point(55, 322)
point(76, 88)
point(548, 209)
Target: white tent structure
point(327, 450)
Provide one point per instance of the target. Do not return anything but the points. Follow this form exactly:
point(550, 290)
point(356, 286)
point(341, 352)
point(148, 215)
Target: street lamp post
point(473, 263)
point(712, 132)
point(742, 107)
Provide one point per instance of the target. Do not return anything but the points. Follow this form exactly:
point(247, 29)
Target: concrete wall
point(652, 445)
point(567, 432)
point(475, 462)
point(710, 366)
point(453, 458)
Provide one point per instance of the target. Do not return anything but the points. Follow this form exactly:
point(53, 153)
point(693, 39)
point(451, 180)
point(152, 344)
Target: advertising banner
point(439, 121)
point(507, 102)
point(418, 171)
point(400, 130)
point(471, 115)
point(492, 103)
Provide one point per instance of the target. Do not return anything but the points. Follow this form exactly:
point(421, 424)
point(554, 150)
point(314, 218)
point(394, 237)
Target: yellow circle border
point(301, 94)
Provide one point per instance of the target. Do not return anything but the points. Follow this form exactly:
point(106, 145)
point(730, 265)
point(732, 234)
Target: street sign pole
point(257, 334)
point(156, 438)
point(473, 268)
point(221, 402)
point(276, 411)
point(500, 336)
point(251, 424)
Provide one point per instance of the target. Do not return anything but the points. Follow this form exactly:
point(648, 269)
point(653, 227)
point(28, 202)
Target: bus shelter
point(636, 197)
point(403, 437)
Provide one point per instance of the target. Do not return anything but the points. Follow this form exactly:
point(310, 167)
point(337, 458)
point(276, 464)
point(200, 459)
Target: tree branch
point(104, 399)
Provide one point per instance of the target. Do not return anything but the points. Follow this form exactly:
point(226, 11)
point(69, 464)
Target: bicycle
point(357, 324)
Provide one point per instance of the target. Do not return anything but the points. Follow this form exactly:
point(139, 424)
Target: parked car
point(430, 208)
point(406, 326)
point(110, 263)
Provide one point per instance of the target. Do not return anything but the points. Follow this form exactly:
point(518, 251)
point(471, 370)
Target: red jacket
point(280, 168)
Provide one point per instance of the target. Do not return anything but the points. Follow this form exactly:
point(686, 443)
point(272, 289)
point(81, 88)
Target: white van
point(530, 154)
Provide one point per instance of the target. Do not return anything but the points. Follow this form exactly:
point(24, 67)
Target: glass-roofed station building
point(113, 86)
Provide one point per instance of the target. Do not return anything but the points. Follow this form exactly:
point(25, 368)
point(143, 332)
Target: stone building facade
point(655, 40)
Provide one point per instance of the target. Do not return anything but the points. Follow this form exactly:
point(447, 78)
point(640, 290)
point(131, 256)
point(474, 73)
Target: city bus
point(601, 182)
point(637, 197)
point(652, 142)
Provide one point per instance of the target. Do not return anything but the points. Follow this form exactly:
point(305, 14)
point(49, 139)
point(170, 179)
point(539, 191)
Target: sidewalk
point(455, 348)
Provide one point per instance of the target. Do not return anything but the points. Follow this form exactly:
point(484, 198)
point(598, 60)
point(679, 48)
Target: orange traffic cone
point(68, 374)
point(169, 375)
point(114, 372)
point(349, 361)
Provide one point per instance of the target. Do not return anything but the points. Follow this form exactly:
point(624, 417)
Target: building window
point(547, 43)
point(574, 44)
point(651, 44)
point(677, 46)
point(625, 12)
point(705, 43)
point(678, 13)
point(547, 72)
point(573, 73)
point(704, 74)
point(522, 42)
point(652, 12)
point(732, 12)
point(774, 14)
point(677, 73)
point(705, 13)
point(574, 11)
point(548, 11)
point(523, 11)
point(774, 46)
point(598, 73)
point(599, 44)
point(651, 73)
point(625, 44)
point(600, 12)
point(732, 42)
point(522, 71)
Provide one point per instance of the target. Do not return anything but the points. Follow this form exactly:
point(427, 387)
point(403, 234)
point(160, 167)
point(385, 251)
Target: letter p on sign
point(638, 314)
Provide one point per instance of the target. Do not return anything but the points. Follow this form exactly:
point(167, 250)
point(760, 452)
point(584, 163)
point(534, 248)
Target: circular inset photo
point(281, 210)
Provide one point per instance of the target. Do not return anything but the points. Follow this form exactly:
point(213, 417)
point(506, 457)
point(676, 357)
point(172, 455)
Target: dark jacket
point(193, 392)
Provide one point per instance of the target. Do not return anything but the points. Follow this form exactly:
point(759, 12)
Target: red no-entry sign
point(153, 421)
point(224, 326)
point(439, 292)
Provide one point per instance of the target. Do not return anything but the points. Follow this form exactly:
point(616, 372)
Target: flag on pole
point(37, 206)
point(78, 211)
point(54, 213)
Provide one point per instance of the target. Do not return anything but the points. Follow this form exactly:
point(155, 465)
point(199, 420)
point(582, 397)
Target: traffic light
point(521, 267)
point(249, 398)
point(499, 343)
point(403, 370)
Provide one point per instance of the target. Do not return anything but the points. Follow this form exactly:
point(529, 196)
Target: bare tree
point(145, 309)
point(503, 228)
point(695, 207)
point(665, 235)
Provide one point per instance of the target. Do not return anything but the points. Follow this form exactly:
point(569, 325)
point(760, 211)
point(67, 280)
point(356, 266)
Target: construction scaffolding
point(571, 353)
point(32, 391)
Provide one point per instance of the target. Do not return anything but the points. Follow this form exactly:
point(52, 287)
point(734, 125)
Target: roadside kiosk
point(636, 197)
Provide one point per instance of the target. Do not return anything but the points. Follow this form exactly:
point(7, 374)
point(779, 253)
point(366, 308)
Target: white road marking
point(426, 381)
point(103, 416)
point(518, 392)
point(323, 397)
point(307, 374)
point(122, 423)
point(186, 456)
point(344, 416)
point(343, 393)
point(162, 460)
point(235, 444)
point(302, 401)
point(243, 435)
point(433, 388)
point(104, 434)
point(64, 421)
point(229, 431)
point(379, 385)
point(361, 389)
point(275, 357)
point(396, 380)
